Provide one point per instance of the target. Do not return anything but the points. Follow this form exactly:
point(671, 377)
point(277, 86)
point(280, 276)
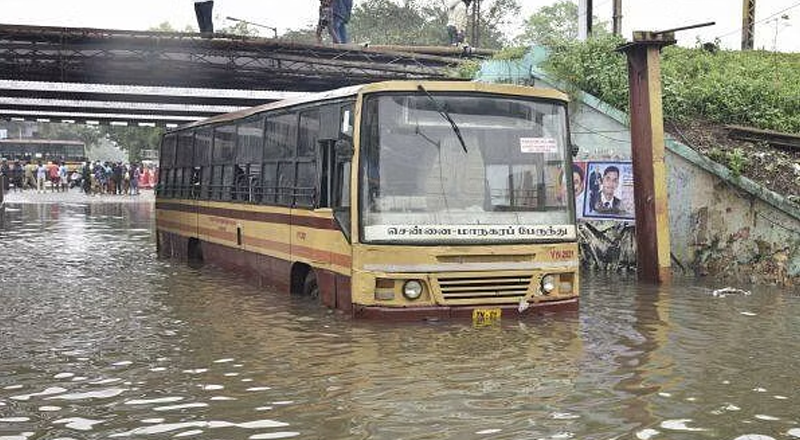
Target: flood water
point(100, 339)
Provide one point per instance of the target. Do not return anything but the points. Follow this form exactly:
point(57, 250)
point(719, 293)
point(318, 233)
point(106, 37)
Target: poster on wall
point(605, 191)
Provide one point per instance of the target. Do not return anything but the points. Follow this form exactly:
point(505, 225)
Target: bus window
point(306, 185)
point(249, 154)
point(228, 179)
point(286, 185)
point(224, 144)
point(280, 144)
point(492, 171)
point(254, 183)
point(269, 183)
point(202, 158)
point(205, 182)
point(281, 136)
point(309, 133)
point(184, 157)
point(216, 183)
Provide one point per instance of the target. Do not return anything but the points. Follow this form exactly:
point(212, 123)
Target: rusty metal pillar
point(647, 151)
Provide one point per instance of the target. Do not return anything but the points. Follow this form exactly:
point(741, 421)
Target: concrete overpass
point(158, 78)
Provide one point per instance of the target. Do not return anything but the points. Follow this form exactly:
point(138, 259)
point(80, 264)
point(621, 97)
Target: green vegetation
point(736, 160)
point(753, 88)
point(469, 68)
point(511, 53)
point(414, 23)
point(555, 24)
point(131, 140)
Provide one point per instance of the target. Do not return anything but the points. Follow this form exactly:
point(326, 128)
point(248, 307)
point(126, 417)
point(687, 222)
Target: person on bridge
point(341, 16)
point(325, 19)
point(203, 10)
point(457, 21)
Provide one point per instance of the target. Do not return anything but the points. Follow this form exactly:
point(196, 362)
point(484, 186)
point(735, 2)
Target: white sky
point(291, 14)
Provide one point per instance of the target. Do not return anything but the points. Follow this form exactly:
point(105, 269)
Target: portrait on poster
point(578, 186)
point(607, 191)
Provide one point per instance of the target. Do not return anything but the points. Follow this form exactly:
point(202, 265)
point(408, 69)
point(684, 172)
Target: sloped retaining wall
point(721, 225)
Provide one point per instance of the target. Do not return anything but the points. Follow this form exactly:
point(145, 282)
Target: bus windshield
point(463, 168)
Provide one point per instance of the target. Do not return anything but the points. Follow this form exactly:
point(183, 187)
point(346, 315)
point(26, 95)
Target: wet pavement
point(100, 339)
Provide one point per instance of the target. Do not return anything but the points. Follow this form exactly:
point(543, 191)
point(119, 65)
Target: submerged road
point(100, 339)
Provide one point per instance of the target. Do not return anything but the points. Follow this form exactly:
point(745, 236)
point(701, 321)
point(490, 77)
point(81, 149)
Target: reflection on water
point(99, 339)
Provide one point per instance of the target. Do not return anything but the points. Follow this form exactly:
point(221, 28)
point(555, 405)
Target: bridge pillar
point(647, 152)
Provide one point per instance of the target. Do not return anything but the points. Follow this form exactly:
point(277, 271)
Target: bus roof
point(386, 86)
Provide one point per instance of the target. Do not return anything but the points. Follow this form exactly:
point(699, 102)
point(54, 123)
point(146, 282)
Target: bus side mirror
point(574, 150)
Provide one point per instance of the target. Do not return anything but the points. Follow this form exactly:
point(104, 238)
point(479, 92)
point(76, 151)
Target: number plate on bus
point(482, 317)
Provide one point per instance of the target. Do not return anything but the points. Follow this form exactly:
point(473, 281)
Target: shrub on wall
point(754, 88)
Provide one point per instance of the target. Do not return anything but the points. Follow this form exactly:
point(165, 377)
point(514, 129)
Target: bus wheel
point(310, 286)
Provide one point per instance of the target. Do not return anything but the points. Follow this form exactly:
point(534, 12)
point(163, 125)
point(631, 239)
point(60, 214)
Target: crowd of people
point(335, 14)
point(115, 178)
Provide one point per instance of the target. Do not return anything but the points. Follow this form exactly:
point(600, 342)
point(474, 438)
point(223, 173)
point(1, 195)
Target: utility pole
point(748, 24)
point(778, 22)
point(584, 19)
point(475, 31)
point(616, 17)
point(647, 152)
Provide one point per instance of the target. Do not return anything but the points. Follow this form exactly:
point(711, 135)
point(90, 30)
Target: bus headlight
point(548, 284)
point(412, 289)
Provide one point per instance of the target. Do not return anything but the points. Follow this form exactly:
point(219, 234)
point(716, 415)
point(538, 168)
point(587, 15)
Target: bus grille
point(496, 289)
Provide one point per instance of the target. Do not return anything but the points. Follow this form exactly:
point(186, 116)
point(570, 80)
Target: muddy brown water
point(100, 339)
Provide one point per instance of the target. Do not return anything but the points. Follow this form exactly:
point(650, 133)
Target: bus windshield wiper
point(446, 115)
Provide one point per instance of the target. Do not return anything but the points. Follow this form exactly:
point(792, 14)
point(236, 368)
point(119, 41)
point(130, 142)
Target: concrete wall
point(720, 224)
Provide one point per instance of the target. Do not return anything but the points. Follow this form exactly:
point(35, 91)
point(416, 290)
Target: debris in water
point(725, 291)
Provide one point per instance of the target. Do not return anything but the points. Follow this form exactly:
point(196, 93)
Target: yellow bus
point(395, 200)
point(72, 153)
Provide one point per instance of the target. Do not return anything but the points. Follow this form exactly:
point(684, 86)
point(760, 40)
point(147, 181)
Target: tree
point(166, 26)
point(134, 139)
point(388, 22)
point(494, 14)
point(304, 35)
point(415, 23)
point(90, 136)
point(239, 28)
point(555, 24)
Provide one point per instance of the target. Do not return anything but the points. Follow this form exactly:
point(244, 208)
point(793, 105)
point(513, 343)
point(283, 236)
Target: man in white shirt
point(41, 177)
point(457, 21)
